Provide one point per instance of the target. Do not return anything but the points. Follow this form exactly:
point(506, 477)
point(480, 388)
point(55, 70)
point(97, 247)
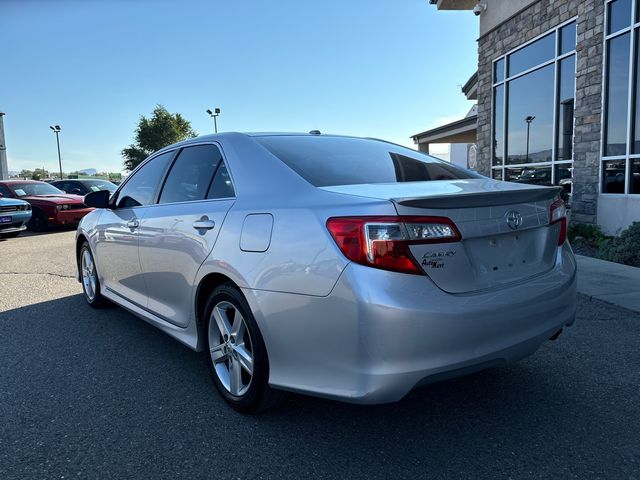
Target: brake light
point(383, 242)
point(558, 213)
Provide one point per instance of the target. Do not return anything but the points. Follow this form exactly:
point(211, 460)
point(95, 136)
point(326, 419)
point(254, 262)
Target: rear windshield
point(330, 161)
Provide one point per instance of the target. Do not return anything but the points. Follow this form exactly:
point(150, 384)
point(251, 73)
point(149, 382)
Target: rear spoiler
point(482, 199)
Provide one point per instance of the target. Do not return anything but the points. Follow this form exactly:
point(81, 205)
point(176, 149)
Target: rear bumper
point(380, 334)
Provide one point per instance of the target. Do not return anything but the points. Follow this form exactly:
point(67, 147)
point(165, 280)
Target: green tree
point(153, 133)
point(39, 174)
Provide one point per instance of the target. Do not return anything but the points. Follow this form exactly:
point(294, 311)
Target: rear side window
point(221, 187)
point(191, 174)
point(141, 188)
point(328, 161)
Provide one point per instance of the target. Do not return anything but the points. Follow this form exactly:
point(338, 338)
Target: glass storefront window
point(621, 128)
point(530, 117)
point(568, 38)
point(619, 14)
point(617, 95)
point(613, 172)
point(498, 71)
point(635, 141)
point(533, 54)
point(539, 175)
point(496, 174)
point(634, 180)
point(498, 125)
point(564, 108)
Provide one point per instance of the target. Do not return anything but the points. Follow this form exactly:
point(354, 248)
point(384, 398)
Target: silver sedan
point(342, 267)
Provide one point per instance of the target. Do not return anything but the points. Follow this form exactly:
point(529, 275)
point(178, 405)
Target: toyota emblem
point(514, 219)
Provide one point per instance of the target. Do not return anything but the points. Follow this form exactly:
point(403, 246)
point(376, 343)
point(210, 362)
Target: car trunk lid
point(506, 235)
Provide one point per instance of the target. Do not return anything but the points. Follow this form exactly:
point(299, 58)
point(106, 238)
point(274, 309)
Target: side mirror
point(76, 191)
point(99, 199)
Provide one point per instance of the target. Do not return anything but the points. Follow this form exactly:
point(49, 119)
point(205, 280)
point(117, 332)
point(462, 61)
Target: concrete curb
point(610, 282)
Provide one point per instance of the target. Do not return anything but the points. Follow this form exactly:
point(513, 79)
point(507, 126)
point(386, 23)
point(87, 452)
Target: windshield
point(329, 161)
point(27, 189)
point(96, 185)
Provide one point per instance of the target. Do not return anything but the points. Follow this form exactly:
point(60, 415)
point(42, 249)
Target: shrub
point(585, 233)
point(623, 249)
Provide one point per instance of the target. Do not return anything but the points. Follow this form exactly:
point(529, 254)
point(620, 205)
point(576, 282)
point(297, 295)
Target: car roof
point(230, 135)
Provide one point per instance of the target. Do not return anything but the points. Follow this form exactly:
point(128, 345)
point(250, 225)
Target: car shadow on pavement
point(77, 379)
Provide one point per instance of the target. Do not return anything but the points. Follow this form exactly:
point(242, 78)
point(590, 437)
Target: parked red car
point(50, 206)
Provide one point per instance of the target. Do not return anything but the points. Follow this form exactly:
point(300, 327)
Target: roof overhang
point(454, 4)
point(460, 131)
point(470, 89)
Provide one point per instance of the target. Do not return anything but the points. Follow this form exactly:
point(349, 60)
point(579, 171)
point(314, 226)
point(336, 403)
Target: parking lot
point(101, 394)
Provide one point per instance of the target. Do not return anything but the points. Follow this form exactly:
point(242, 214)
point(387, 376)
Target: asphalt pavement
point(102, 394)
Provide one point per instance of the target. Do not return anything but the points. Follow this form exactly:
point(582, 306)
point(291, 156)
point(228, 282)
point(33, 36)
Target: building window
point(533, 98)
point(620, 171)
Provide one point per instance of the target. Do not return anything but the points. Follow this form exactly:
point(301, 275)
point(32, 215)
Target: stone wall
point(540, 17)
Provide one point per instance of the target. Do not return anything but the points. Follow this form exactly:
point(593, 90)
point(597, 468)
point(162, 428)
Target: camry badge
point(514, 219)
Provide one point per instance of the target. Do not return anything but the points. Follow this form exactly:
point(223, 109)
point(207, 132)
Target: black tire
point(98, 300)
point(38, 222)
point(259, 396)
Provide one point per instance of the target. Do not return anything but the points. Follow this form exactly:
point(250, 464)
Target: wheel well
point(207, 285)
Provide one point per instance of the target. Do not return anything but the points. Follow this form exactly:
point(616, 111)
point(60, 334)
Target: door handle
point(133, 224)
point(204, 224)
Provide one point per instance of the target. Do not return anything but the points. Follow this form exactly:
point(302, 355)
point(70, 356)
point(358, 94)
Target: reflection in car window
point(96, 185)
point(221, 187)
point(40, 188)
point(191, 174)
point(143, 184)
point(5, 191)
point(325, 161)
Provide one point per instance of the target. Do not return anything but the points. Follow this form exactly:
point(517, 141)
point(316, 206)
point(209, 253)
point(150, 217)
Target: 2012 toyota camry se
point(342, 267)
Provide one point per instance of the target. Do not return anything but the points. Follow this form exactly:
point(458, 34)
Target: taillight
point(558, 213)
point(383, 242)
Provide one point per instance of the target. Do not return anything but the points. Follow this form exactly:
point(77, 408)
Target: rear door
point(179, 232)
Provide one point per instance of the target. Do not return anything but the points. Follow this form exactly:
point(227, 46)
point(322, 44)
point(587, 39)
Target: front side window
point(621, 115)
point(142, 186)
point(191, 174)
point(330, 161)
point(533, 110)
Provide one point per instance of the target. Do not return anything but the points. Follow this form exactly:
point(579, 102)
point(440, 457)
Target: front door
point(117, 256)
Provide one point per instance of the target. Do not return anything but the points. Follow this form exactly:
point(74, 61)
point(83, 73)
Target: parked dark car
point(84, 186)
point(49, 205)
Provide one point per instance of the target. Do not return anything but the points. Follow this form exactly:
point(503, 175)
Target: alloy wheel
point(230, 348)
point(88, 275)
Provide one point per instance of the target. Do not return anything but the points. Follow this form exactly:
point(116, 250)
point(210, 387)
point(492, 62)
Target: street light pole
point(214, 115)
point(4, 168)
point(529, 119)
point(56, 129)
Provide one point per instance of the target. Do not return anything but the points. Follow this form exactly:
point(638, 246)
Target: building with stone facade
point(558, 95)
